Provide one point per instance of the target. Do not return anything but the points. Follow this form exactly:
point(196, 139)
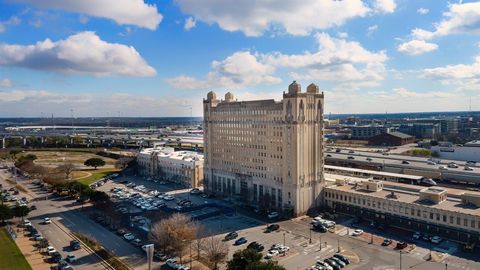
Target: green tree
point(242, 258)
point(94, 162)
point(5, 212)
point(21, 211)
point(15, 152)
point(100, 199)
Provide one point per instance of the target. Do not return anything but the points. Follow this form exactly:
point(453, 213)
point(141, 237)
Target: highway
point(394, 163)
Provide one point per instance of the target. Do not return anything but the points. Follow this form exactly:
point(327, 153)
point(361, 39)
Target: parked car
point(75, 244)
point(401, 245)
point(273, 215)
point(369, 159)
point(172, 263)
point(50, 250)
point(338, 261)
point(350, 157)
point(129, 236)
point(271, 253)
point(71, 258)
point(405, 162)
point(386, 242)
point(56, 256)
point(256, 246)
point(323, 265)
point(195, 191)
point(357, 232)
point(332, 264)
point(240, 241)
point(272, 228)
point(436, 239)
point(231, 236)
point(431, 163)
point(466, 168)
point(319, 228)
point(416, 236)
point(343, 258)
point(452, 165)
point(47, 220)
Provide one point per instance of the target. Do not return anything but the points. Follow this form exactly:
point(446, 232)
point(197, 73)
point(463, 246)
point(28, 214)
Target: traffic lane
point(58, 238)
point(411, 165)
point(79, 222)
point(461, 163)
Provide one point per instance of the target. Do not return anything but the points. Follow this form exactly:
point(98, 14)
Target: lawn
point(10, 255)
point(95, 175)
point(54, 158)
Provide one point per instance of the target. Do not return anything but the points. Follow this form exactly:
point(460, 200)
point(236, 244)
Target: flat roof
point(398, 175)
point(454, 205)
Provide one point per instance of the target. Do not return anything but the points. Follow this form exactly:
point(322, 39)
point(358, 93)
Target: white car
point(431, 163)
point(316, 220)
point(436, 239)
point(357, 232)
point(272, 215)
point(168, 198)
point(27, 223)
point(271, 253)
point(129, 236)
point(172, 263)
point(47, 220)
point(283, 249)
point(443, 168)
point(324, 265)
point(50, 250)
point(466, 168)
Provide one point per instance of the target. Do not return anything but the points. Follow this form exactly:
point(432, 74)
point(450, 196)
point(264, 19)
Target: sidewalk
point(33, 256)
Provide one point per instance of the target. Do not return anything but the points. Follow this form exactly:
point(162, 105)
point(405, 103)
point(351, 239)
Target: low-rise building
point(366, 132)
point(391, 139)
point(448, 213)
point(182, 167)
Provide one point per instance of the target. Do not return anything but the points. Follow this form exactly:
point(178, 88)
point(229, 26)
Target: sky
point(160, 58)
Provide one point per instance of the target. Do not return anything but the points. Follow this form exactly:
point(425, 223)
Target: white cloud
point(416, 47)
point(189, 23)
point(344, 62)
point(23, 103)
point(6, 83)
point(372, 29)
point(460, 18)
point(239, 69)
point(123, 12)
point(385, 6)
point(253, 18)
point(82, 53)
point(14, 20)
point(405, 93)
point(342, 35)
point(423, 11)
point(464, 76)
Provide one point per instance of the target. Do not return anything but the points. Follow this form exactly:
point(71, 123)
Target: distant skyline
point(159, 58)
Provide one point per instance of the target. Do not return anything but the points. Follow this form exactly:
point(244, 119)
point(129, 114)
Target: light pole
point(310, 241)
point(400, 260)
point(190, 254)
point(320, 242)
point(338, 244)
point(284, 243)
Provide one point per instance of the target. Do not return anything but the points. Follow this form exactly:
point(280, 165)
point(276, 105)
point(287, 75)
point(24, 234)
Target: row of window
point(407, 211)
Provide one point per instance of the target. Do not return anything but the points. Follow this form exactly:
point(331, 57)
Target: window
point(444, 218)
point(451, 219)
point(458, 221)
point(465, 222)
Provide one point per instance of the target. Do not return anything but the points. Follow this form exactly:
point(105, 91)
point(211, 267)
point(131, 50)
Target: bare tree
point(174, 234)
point(122, 162)
point(67, 169)
point(216, 250)
point(200, 239)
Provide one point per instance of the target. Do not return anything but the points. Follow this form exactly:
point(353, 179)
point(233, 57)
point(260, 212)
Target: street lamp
point(310, 241)
point(284, 243)
point(400, 260)
point(320, 242)
point(338, 243)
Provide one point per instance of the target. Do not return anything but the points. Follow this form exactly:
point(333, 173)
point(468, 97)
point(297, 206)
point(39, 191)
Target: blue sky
point(159, 58)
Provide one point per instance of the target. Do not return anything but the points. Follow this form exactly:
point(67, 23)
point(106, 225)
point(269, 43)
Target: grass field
point(53, 158)
point(10, 255)
point(95, 175)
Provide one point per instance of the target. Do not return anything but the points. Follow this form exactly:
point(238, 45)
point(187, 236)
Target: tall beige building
point(266, 153)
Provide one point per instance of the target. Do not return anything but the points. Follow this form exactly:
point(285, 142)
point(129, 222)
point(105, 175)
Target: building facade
point(182, 167)
point(429, 210)
point(391, 139)
point(366, 132)
point(266, 153)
